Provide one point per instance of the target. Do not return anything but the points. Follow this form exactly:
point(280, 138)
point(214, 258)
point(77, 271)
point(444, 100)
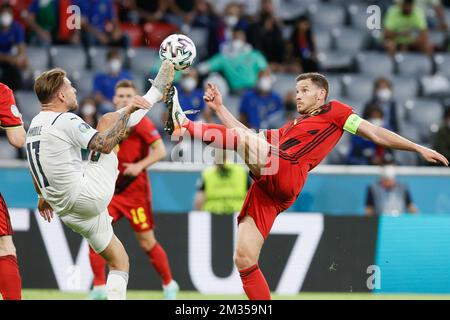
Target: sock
point(254, 283)
point(153, 95)
point(98, 265)
point(116, 285)
point(135, 117)
point(10, 280)
point(215, 134)
point(158, 259)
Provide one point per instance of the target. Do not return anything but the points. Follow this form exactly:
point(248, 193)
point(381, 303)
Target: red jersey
point(131, 150)
point(9, 114)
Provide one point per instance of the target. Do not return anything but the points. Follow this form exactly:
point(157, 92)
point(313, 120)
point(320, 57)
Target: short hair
point(48, 83)
point(318, 79)
point(126, 84)
point(113, 53)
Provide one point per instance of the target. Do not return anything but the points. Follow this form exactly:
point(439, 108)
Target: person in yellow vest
point(222, 187)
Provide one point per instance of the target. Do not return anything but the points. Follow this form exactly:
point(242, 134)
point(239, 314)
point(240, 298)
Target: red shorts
point(270, 195)
point(138, 212)
point(5, 221)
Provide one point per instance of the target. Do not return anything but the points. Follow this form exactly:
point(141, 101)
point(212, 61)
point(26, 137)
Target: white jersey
point(54, 142)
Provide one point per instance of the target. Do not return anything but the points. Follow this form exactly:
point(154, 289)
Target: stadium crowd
point(393, 69)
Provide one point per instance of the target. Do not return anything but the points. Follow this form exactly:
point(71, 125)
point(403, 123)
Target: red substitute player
point(11, 121)
point(132, 198)
point(279, 160)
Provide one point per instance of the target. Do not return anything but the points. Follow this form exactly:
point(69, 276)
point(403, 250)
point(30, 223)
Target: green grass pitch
point(51, 294)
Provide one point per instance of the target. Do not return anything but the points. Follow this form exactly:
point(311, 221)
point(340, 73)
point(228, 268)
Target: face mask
point(88, 109)
point(115, 65)
point(188, 84)
point(231, 21)
point(376, 122)
point(238, 44)
point(384, 94)
point(265, 84)
point(6, 19)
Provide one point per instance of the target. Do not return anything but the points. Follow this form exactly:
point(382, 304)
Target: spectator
point(387, 196)
point(191, 97)
point(42, 21)
point(13, 58)
point(382, 98)
point(88, 112)
point(405, 29)
point(442, 137)
point(265, 35)
point(104, 83)
point(99, 23)
point(437, 20)
point(143, 11)
point(365, 152)
point(290, 105)
point(303, 46)
point(262, 108)
point(239, 62)
point(232, 19)
point(222, 188)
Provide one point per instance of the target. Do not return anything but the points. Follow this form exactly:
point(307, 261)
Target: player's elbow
point(16, 141)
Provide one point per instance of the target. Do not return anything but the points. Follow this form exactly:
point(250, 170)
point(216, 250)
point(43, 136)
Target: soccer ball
point(179, 49)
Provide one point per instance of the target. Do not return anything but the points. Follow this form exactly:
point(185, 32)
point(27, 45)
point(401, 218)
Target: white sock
point(153, 95)
point(116, 285)
point(135, 117)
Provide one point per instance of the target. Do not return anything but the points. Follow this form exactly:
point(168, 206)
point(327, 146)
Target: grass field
point(39, 294)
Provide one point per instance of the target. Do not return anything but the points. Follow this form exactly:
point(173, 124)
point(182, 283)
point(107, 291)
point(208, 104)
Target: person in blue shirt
point(262, 108)
point(13, 57)
point(105, 82)
point(99, 23)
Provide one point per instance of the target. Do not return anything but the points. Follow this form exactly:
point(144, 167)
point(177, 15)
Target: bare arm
point(199, 200)
point(16, 136)
point(45, 210)
point(389, 139)
point(213, 99)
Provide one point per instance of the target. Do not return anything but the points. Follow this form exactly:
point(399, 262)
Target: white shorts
point(89, 215)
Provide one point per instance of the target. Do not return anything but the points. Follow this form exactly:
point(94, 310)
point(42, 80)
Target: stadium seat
point(134, 33)
point(437, 38)
point(7, 152)
point(437, 86)
point(97, 58)
point(142, 59)
point(404, 87)
point(358, 87)
point(291, 9)
point(442, 62)
point(83, 82)
point(200, 37)
point(335, 61)
point(349, 40)
point(413, 64)
point(327, 16)
point(156, 32)
point(425, 114)
point(284, 82)
point(358, 16)
point(323, 40)
point(374, 64)
point(70, 58)
point(357, 104)
point(28, 105)
point(335, 86)
point(38, 57)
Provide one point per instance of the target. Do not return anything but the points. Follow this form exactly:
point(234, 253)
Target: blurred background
point(389, 60)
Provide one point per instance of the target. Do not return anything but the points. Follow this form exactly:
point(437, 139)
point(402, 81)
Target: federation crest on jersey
point(84, 127)
point(15, 111)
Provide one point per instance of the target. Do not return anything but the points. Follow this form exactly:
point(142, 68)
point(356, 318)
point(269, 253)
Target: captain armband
point(352, 123)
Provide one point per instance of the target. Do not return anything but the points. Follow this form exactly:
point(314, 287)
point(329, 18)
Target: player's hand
point(45, 210)
point(139, 102)
point(132, 169)
point(213, 97)
point(432, 156)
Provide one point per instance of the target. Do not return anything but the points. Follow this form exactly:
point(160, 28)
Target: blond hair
point(48, 83)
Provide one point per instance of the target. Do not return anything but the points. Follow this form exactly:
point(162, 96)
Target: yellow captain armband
point(352, 123)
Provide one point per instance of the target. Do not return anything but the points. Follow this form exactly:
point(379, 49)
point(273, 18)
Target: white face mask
point(238, 44)
point(6, 19)
point(88, 109)
point(115, 65)
point(384, 94)
point(376, 122)
point(265, 84)
point(231, 21)
point(188, 84)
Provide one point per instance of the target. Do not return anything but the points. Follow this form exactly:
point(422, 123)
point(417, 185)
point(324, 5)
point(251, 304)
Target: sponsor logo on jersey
point(15, 111)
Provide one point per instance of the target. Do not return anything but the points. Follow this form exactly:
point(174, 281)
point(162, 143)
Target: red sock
point(98, 265)
point(215, 134)
point(158, 258)
point(254, 283)
point(10, 280)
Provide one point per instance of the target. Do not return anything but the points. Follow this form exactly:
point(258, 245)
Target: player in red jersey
point(132, 197)
point(11, 121)
point(279, 160)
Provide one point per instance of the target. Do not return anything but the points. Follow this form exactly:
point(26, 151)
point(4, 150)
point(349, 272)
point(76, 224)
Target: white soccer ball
point(179, 49)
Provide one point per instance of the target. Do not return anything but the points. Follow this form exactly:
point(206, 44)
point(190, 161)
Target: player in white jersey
point(80, 195)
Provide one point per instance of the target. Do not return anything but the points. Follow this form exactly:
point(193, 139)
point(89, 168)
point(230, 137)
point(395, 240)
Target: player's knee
point(147, 243)
point(243, 258)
